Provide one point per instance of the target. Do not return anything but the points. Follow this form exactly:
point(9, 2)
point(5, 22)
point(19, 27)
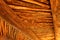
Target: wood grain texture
point(24, 21)
point(56, 17)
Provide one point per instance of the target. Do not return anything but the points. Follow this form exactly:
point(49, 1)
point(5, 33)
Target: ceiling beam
point(55, 6)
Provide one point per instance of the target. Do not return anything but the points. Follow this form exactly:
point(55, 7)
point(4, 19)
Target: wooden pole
point(55, 6)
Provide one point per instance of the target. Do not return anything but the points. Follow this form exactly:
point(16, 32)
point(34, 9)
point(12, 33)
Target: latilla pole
point(55, 6)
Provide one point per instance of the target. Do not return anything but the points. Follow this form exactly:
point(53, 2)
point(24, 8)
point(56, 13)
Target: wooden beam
point(55, 6)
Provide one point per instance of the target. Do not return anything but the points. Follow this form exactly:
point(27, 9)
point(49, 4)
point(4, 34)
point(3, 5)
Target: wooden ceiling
point(30, 19)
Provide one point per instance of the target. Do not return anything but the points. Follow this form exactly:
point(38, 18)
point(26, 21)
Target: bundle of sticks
point(32, 17)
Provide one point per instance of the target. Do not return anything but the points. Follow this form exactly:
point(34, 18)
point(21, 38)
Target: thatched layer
point(31, 20)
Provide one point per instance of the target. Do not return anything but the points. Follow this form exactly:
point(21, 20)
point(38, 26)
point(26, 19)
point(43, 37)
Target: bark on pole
point(55, 6)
